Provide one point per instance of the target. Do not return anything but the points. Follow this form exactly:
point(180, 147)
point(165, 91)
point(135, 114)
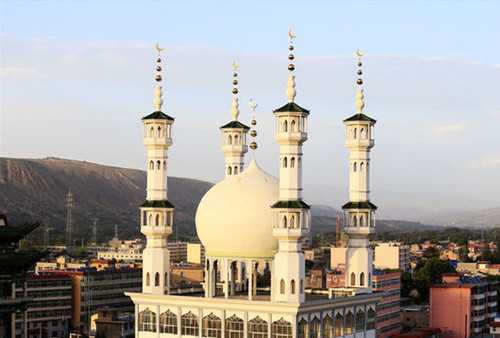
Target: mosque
point(250, 221)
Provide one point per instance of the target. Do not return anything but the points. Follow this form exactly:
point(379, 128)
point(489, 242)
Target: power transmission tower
point(94, 232)
point(46, 233)
point(69, 220)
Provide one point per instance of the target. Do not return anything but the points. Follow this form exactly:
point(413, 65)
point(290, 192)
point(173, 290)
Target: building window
point(355, 133)
point(362, 279)
point(157, 219)
point(151, 132)
point(302, 286)
point(281, 329)
point(230, 140)
point(327, 327)
point(257, 328)
point(292, 222)
point(285, 162)
point(284, 222)
point(285, 126)
point(229, 170)
point(360, 321)
point(236, 139)
point(282, 286)
point(235, 170)
point(234, 327)
point(158, 132)
point(349, 323)
point(166, 278)
point(303, 329)
point(292, 287)
point(158, 165)
point(212, 326)
point(292, 126)
point(316, 328)
point(370, 323)
point(164, 165)
point(338, 329)
point(189, 324)
point(353, 278)
point(362, 133)
point(147, 320)
point(355, 166)
point(168, 322)
point(147, 279)
point(362, 166)
point(157, 279)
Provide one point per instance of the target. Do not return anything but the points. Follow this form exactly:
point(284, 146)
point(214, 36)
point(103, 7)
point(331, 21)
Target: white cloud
point(489, 162)
point(17, 73)
point(447, 129)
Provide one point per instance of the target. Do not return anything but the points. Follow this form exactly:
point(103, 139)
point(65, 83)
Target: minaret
point(291, 215)
point(234, 136)
point(359, 213)
point(157, 211)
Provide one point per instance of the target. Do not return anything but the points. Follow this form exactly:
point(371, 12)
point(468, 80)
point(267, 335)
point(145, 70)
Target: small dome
point(234, 218)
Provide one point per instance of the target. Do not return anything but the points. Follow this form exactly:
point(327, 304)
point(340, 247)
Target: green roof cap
point(236, 125)
point(158, 115)
point(291, 107)
point(157, 204)
point(360, 205)
point(360, 117)
point(291, 205)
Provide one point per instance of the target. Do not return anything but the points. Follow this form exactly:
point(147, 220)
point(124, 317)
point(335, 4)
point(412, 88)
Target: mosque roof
point(291, 205)
point(235, 125)
point(360, 117)
point(157, 204)
point(158, 115)
point(359, 205)
point(291, 107)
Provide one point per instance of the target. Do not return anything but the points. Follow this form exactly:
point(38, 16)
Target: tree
point(431, 252)
point(486, 255)
point(430, 274)
point(463, 254)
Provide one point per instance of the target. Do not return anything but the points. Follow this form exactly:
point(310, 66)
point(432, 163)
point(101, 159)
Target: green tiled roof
point(291, 107)
point(360, 205)
point(10, 234)
point(157, 204)
point(15, 261)
point(360, 117)
point(158, 115)
point(235, 124)
point(290, 204)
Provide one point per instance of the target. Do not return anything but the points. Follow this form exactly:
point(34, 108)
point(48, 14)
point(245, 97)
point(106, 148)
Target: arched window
point(292, 287)
point(316, 328)
point(150, 219)
point(157, 219)
point(229, 170)
point(362, 133)
point(292, 162)
point(257, 328)
point(147, 320)
point(282, 286)
point(292, 126)
point(361, 221)
point(302, 286)
point(362, 279)
point(234, 327)
point(151, 165)
point(338, 328)
point(235, 170)
point(152, 132)
point(355, 133)
point(236, 139)
point(284, 223)
point(158, 132)
point(349, 323)
point(158, 165)
point(355, 166)
point(353, 278)
point(147, 279)
point(327, 327)
point(285, 162)
point(362, 166)
point(168, 322)
point(164, 165)
point(189, 324)
point(285, 126)
point(292, 222)
point(370, 322)
point(369, 279)
point(360, 321)
point(157, 279)
point(281, 329)
point(166, 279)
point(230, 140)
point(212, 326)
point(355, 221)
point(303, 329)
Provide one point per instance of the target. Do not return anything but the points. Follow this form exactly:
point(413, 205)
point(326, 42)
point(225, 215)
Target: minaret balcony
point(235, 148)
point(156, 230)
point(284, 137)
point(358, 230)
point(290, 233)
point(157, 141)
point(359, 143)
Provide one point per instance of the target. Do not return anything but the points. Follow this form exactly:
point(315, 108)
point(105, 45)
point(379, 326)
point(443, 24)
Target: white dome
point(234, 218)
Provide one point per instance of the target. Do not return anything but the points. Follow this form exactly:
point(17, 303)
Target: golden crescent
point(234, 64)
point(157, 47)
point(360, 55)
point(290, 34)
point(252, 105)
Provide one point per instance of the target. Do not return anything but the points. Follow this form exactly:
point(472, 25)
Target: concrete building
point(195, 253)
point(337, 257)
point(240, 231)
point(462, 306)
point(392, 256)
point(388, 317)
point(186, 274)
point(111, 323)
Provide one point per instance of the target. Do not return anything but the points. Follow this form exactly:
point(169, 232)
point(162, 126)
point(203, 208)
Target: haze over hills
point(35, 189)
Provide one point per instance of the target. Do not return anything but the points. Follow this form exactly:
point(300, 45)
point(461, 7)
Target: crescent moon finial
point(234, 64)
point(158, 47)
point(252, 105)
point(290, 34)
point(360, 55)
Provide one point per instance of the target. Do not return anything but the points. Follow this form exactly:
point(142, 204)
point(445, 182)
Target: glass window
point(168, 322)
point(147, 320)
point(316, 328)
point(257, 328)
point(281, 328)
point(234, 327)
point(212, 326)
point(189, 324)
point(327, 327)
point(303, 329)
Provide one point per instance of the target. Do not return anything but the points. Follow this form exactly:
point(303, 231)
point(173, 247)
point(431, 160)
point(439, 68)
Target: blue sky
point(77, 76)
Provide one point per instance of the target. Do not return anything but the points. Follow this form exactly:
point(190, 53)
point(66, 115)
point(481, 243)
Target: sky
point(77, 76)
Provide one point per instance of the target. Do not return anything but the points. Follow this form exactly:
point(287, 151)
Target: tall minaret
point(359, 213)
point(234, 136)
point(291, 220)
point(157, 211)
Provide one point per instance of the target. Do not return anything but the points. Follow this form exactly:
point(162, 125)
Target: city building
point(413, 316)
point(49, 311)
point(388, 316)
point(242, 234)
point(337, 257)
point(195, 253)
point(186, 274)
point(63, 262)
point(392, 256)
point(420, 333)
point(463, 305)
point(13, 266)
point(111, 323)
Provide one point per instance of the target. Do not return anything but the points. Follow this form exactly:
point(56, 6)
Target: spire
point(359, 94)
point(253, 133)
point(158, 94)
point(235, 112)
point(290, 92)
